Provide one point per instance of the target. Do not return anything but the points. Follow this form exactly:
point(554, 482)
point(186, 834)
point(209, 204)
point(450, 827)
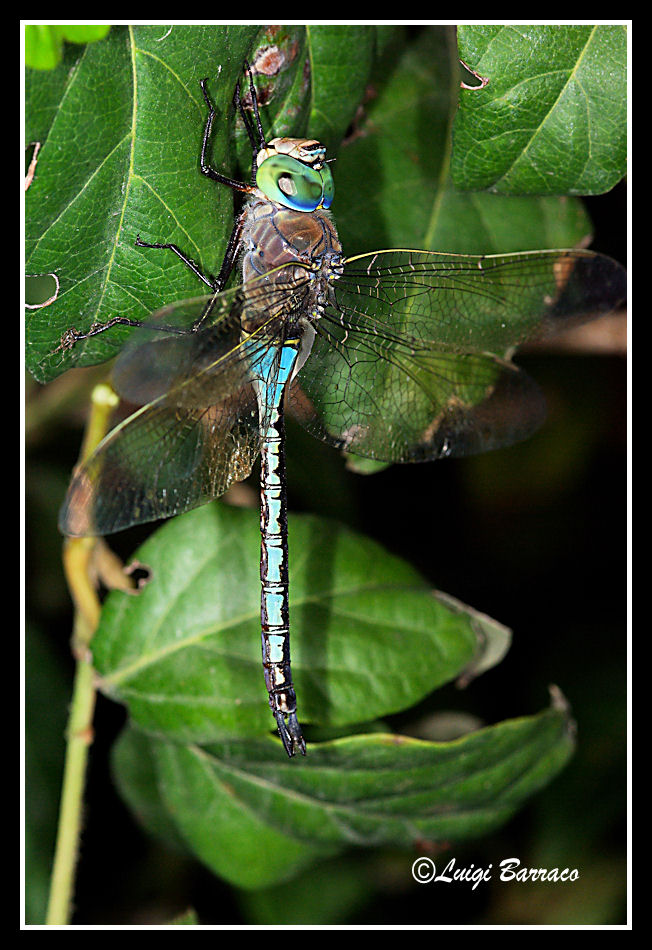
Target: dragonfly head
point(293, 173)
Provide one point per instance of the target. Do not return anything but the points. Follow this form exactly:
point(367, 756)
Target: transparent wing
point(475, 304)
point(166, 360)
point(404, 365)
point(201, 428)
point(160, 462)
point(384, 400)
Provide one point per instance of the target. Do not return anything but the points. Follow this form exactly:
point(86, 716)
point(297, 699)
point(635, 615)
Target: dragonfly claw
point(68, 340)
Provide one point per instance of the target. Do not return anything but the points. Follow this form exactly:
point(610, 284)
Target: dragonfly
point(396, 355)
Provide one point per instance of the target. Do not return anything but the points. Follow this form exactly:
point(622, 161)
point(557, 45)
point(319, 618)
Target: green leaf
point(255, 818)
point(369, 638)
point(133, 768)
point(392, 180)
point(44, 44)
point(552, 118)
point(119, 157)
point(341, 58)
point(332, 891)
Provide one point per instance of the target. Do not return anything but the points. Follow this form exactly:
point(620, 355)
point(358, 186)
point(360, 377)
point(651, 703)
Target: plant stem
point(77, 557)
point(79, 736)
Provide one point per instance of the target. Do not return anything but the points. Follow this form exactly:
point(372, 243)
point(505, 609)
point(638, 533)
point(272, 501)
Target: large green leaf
point(341, 58)
point(255, 818)
point(369, 638)
point(393, 186)
point(120, 127)
point(552, 118)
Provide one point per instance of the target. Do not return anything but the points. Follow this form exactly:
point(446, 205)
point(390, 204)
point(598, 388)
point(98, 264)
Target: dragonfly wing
point(380, 398)
point(162, 353)
point(477, 304)
point(409, 361)
point(162, 461)
point(199, 434)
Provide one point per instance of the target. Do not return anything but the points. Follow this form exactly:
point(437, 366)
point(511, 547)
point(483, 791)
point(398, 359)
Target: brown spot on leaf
point(268, 61)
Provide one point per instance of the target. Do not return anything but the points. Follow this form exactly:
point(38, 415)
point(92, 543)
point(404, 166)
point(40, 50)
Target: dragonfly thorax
point(274, 236)
point(308, 244)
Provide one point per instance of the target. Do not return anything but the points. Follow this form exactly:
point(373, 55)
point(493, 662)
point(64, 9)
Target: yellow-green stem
point(79, 734)
point(79, 737)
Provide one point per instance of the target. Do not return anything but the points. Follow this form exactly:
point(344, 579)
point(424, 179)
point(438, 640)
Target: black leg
point(256, 143)
point(72, 336)
point(205, 167)
point(234, 239)
point(230, 254)
point(254, 100)
point(237, 101)
point(225, 270)
point(186, 260)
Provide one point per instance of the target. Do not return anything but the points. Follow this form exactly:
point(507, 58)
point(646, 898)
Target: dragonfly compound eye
point(295, 185)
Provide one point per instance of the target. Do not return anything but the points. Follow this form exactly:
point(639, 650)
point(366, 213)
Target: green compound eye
point(291, 183)
point(329, 186)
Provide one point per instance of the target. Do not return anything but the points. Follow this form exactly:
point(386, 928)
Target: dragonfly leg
point(71, 336)
point(256, 143)
point(254, 101)
point(203, 163)
point(230, 255)
point(186, 260)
